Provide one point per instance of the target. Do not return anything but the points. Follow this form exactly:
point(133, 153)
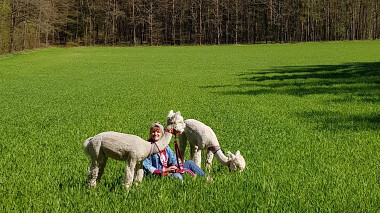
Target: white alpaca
point(201, 137)
point(125, 147)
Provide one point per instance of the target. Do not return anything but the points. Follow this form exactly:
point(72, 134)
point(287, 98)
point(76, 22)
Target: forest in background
point(28, 24)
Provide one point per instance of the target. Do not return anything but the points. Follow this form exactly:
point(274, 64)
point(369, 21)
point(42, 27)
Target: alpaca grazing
point(125, 147)
point(201, 137)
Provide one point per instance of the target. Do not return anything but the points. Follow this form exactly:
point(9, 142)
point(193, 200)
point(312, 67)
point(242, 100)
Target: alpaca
point(201, 137)
point(125, 147)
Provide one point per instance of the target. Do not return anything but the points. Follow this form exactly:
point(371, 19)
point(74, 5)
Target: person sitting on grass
point(165, 162)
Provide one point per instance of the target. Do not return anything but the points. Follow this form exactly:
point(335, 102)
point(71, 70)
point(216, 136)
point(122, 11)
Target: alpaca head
point(236, 161)
point(175, 121)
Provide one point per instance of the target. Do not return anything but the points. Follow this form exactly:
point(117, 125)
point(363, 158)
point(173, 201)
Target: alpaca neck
point(164, 141)
point(221, 158)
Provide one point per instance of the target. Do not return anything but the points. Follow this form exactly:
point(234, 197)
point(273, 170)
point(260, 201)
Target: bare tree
point(32, 23)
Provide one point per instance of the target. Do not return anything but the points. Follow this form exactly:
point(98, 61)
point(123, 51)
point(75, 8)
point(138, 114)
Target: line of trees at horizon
point(28, 24)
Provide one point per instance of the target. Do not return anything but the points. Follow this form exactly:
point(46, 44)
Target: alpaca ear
point(230, 155)
point(171, 113)
point(178, 113)
point(237, 153)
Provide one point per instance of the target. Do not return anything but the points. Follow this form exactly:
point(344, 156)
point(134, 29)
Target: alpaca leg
point(102, 160)
point(139, 173)
point(192, 151)
point(93, 150)
point(197, 156)
point(208, 161)
point(129, 173)
point(182, 143)
point(93, 174)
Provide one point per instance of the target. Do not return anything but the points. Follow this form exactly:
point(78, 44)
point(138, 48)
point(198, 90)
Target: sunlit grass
point(306, 117)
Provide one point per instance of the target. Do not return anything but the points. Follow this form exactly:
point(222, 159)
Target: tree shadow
point(336, 72)
point(344, 83)
point(361, 79)
point(336, 121)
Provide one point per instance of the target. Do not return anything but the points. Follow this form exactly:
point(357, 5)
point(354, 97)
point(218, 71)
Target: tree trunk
point(24, 37)
point(376, 28)
point(236, 21)
point(200, 22)
point(218, 22)
point(12, 27)
point(151, 23)
point(173, 22)
point(134, 22)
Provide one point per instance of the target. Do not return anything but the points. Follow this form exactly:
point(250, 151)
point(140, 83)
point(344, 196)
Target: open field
point(306, 117)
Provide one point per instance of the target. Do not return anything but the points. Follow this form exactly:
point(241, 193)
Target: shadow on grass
point(343, 71)
point(349, 82)
point(336, 121)
point(360, 79)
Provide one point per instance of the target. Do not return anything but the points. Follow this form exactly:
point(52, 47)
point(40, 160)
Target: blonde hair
point(156, 126)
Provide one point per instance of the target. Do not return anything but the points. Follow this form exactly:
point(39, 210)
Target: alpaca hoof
point(92, 184)
point(127, 187)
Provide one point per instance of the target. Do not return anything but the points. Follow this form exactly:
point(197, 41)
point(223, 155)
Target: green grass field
point(306, 118)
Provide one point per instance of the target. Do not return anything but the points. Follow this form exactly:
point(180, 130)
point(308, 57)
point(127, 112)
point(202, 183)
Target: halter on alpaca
point(154, 147)
point(214, 149)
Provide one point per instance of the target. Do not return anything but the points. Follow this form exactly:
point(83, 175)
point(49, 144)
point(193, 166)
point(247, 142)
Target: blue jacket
point(151, 163)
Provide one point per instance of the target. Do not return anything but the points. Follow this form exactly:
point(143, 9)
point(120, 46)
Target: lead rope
point(152, 144)
point(179, 156)
point(177, 152)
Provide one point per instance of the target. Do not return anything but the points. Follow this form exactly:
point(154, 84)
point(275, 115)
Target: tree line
point(27, 24)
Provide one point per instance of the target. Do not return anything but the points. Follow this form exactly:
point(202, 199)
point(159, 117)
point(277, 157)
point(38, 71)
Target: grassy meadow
point(306, 118)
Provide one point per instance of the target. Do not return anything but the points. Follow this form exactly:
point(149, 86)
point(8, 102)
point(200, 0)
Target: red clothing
point(163, 159)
